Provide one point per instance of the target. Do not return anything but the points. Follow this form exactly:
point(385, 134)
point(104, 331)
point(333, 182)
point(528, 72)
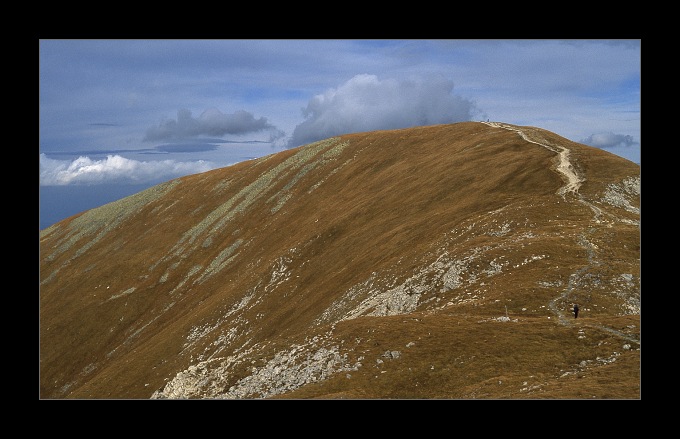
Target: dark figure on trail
point(575, 310)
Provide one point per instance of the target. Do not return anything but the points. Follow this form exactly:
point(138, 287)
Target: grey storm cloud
point(211, 122)
point(608, 140)
point(365, 103)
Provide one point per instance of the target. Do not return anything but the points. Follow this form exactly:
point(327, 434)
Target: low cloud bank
point(608, 140)
point(114, 169)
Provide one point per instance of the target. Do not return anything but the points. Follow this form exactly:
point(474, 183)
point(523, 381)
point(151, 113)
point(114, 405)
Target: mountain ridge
point(287, 276)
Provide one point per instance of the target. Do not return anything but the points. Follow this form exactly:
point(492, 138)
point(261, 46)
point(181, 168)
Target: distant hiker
point(575, 310)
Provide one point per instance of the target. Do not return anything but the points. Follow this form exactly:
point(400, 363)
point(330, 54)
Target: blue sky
point(118, 116)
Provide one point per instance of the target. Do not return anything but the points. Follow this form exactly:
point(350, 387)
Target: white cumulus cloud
point(366, 103)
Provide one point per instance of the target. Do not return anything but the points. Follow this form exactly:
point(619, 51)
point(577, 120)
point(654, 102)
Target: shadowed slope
point(430, 262)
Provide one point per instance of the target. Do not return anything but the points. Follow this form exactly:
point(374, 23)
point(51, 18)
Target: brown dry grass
point(362, 221)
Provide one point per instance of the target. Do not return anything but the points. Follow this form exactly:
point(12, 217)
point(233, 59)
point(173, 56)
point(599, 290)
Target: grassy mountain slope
point(429, 262)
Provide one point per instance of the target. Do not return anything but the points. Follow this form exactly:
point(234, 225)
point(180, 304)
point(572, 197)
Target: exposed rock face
point(429, 262)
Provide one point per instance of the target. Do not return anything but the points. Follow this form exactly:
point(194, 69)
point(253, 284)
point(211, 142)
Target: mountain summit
point(437, 262)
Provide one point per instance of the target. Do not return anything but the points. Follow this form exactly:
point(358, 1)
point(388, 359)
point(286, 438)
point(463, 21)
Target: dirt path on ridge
point(573, 183)
point(564, 167)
